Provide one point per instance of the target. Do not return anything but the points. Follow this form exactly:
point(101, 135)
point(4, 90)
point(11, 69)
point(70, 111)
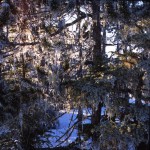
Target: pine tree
point(43, 63)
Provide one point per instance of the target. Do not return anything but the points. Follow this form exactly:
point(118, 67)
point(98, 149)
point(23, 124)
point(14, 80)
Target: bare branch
point(83, 16)
point(23, 44)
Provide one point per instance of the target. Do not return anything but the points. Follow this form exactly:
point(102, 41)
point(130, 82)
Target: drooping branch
point(23, 44)
point(83, 16)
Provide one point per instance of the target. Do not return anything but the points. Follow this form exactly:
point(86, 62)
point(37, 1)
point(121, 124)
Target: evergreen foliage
point(54, 53)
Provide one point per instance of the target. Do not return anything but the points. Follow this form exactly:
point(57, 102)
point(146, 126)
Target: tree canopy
point(75, 54)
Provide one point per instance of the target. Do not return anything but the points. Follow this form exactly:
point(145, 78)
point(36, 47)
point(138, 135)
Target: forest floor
point(66, 133)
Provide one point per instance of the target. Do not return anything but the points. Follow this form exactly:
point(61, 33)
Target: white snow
point(132, 100)
point(65, 122)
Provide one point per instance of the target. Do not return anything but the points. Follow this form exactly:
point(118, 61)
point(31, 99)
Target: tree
point(38, 53)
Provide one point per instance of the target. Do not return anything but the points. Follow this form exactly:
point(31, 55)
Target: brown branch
point(72, 23)
point(23, 44)
point(109, 44)
point(56, 118)
point(66, 137)
point(72, 127)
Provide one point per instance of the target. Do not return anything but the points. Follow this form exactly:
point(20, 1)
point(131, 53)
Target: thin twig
point(67, 131)
point(66, 137)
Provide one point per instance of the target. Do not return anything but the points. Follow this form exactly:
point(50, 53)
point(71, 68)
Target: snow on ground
point(132, 100)
point(65, 122)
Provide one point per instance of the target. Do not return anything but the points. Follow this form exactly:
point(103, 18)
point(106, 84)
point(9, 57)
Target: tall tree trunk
point(0, 72)
point(98, 61)
point(96, 117)
point(104, 25)
point(97, 51)
point(1, 61)
point(80, 112)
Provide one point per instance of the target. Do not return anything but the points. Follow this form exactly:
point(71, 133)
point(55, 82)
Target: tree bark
point(97, 50)
point(23, 67)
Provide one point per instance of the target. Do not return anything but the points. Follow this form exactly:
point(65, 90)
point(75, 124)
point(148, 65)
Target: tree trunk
point(97, 51)
point(96, 117)
point(23, 67)
point(1, 59)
